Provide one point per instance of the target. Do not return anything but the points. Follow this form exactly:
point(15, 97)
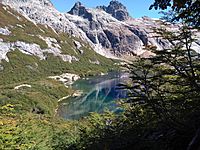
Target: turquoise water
point(98, 93)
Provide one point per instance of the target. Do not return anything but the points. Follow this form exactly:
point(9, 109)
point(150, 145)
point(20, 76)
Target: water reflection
point(99, 93)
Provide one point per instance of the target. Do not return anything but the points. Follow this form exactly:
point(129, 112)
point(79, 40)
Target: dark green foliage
point(186, 10)
point(166, 88)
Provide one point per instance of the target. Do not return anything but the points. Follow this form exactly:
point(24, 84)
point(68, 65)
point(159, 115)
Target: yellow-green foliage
point(29, 131)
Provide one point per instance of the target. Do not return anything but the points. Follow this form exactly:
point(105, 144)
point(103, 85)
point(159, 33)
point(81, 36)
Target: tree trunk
point(195, 143)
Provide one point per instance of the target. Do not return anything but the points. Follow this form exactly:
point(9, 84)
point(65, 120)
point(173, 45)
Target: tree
point(167, 89)
point(187, 10)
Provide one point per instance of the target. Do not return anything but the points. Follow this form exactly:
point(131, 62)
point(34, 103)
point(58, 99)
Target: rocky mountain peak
point(78, 9)
point(116, 4)
point(78, 4)
point(117, 10)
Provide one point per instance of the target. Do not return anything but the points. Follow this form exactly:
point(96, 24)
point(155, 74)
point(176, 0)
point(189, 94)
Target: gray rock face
point(80, 10)
point(117, 10)
point(117, 37)
point(123, 44)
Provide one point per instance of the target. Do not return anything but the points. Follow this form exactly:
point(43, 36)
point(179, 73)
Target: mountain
point(109, 30)
point(112, 29)
point(36, 49)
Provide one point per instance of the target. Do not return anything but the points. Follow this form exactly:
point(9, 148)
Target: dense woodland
point(161, 111)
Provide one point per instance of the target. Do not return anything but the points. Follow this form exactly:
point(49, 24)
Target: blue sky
point(136, 8)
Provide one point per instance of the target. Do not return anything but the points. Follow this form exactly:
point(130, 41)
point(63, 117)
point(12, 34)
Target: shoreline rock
point(67, 78)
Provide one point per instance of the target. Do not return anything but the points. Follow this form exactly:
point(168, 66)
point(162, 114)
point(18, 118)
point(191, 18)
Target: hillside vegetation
point(28, 115)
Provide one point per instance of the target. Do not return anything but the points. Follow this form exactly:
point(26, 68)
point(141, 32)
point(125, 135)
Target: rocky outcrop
point(34, 49)
point(4, 49)
point(117, 10)
point(5, 31)
point(123, 41)
point(67, 78)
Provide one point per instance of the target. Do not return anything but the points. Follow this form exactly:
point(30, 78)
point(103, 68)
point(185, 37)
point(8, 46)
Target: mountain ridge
point(109, 30)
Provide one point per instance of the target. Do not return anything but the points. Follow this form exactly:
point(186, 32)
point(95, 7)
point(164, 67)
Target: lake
point(96, 94)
